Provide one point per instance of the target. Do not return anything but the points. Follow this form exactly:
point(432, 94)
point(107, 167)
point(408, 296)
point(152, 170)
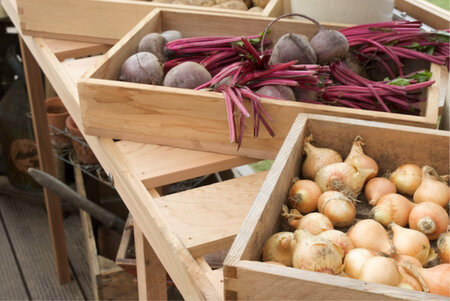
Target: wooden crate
point(197, 119)
point(390, 145)
point(97, 21)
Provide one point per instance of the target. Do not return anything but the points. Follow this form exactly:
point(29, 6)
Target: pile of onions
point(316, 158)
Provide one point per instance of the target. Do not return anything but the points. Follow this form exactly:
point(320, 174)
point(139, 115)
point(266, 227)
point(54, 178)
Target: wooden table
point(172, 233)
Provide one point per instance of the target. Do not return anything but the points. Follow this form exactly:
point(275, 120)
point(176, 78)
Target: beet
point(156, 44)
point(277, 91)
point(142, 67)
point(306, 94)
point(290, 47)
point(329, 45)
point(187, 75)
point(171, 35)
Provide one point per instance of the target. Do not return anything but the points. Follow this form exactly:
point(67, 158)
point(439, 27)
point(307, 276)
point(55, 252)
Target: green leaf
point(400, 82)
point(422, 76)
point(423, 48)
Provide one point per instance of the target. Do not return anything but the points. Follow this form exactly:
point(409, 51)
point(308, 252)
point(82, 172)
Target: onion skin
point(371, 235)
point(381, 270)
point(304, 195)
point(411, 242)
point(315, 223)
point(392, 207)
point(407, 178)
point(355, 260)
point(378, 187)
point(407, 281)
point(279, 247)
point(409, 260)
point(316, 158)
point(429, 218)
point(337, 207)
point(317, 254)
point(435, 280)
point(360, 160)
point(339, 238)
point(431, 189)
point(443, 247)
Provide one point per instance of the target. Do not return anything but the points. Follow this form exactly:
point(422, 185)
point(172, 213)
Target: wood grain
point(72, 49)
point(425, 11)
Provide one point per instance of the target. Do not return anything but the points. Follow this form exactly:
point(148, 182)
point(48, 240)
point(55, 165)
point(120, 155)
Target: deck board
point(28, 230)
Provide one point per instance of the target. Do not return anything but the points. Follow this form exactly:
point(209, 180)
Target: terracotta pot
point(56, 116)
point(84, 153)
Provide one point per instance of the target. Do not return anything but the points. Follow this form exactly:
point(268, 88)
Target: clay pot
point(84, 153)
point(56, 116)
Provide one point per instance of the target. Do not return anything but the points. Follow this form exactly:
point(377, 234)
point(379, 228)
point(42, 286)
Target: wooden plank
point(72, 49)
point(36, 98)
point(78, 67)
point(31, 242)
point(428, 13)
point(12, 286)
point(150, 162)
point(152, 279)
point(207, 218)
point(104, 21)
point(127, 240)
point(216, 278)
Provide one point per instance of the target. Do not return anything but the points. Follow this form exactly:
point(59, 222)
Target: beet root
point(277, 91)
point(171, 35)
point(290, 47)
point(142, 67)
point(329, 45)
point(187, 75)
point(156, 44)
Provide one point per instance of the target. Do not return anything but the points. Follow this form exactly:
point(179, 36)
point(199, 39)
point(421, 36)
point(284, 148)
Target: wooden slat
point(12, 286)
point(208, 218)
point(31, 242)
point(77, 68)
point(151, 165)
point(216, 278)
point(71, 49)
point(36, 98)
point(425, 11)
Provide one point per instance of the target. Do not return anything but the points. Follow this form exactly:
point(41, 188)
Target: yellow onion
point(392, 207)
point(443, 247)
point(371, 235)
point(316, 158)
point(355, 260)
point(317, 254)
point(339, 238)
point(279, 247)
point(381, 270)
point(411, 242)
point(429, 218)
point(360, 160)
point(315, 223)
point(431, 189)
point(378, 187)
point(408, 260)
point(407, 281)
point(303, 196)
point(342, 177)
point(407, 178)
point(435, 280)
point(339, 208)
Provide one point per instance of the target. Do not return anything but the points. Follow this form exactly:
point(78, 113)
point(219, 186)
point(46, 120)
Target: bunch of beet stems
point(396, 39)
point(358, 92)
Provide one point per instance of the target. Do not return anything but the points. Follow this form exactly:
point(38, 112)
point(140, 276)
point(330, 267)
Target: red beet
point(277, 91)
point(156, 44)
point(142, 67)
point(187, 75)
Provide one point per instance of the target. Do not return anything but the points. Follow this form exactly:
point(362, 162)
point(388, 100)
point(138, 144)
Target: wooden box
point(197, 119)
point(98, 21)
point(246, 278)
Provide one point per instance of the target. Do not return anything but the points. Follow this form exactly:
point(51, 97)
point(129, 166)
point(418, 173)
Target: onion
point(371, 235)
point(360, 160)
point(443, 247)
point(337, 207)
point(435, 280)
point(409, 260)
point(411, 242)
point(304, 195)
point(316, 158)
point(429, 218)
point(407, 178)
point(279, 247)
point(342, 177)
point(392, 207)
point(382, 270)
point(315, 223)
point(339, 238)
point(378, 187)
point(431, 189)
point(317, 254)
point(407, 281)
point(355, 260)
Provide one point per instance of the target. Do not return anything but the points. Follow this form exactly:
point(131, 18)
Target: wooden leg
point(36, 98)
point(152, 283)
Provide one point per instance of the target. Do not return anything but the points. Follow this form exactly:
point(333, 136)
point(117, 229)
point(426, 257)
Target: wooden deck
point(27, 269)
